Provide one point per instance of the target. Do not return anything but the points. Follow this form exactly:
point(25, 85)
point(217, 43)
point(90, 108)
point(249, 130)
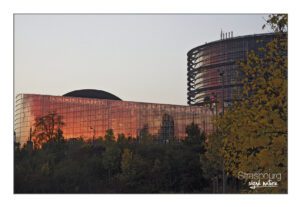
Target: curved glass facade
point(82, 115)
point(213, 68)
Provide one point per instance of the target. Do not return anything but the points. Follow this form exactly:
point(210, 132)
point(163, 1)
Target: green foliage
point(254, 130)
point(126, 162)
point(144, 135)
point(125, 166)
point(109, 136)
point(277, 22)
point(195, 136)
point(111, 160)
point(212, 160)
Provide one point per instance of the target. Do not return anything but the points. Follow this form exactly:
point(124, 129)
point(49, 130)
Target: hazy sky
point(135, 57)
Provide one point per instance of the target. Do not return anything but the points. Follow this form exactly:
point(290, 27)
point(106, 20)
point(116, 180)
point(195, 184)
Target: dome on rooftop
point(92, 93)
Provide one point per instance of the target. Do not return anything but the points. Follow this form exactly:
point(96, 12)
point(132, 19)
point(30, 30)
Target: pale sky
point(135, 57)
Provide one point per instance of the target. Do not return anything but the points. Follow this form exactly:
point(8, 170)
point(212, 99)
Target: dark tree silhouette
point(47, 128)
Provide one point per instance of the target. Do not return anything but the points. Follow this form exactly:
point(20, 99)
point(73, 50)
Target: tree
point(47, 128)
point(277, 22)
point(126, 161)
point(111, 160)
point(127, 171)
point(254, 130)
point(144, 135)
point(212, 161)
point(195, 135)
point(166, 132)
point(109, 136)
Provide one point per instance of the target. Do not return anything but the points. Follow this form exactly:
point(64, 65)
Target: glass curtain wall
point(87, 117)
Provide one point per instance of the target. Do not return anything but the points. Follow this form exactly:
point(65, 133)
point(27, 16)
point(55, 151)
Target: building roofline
point(121, 101)
point(230, 39)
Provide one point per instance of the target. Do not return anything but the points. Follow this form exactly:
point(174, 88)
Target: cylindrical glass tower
point(213, 68)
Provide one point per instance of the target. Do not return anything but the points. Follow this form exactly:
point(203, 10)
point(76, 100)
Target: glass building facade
point(213, 68)
point(91, 117)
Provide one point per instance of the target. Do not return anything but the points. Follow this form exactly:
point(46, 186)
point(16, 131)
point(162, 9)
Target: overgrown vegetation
point(254, 129)
point(109, 166)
